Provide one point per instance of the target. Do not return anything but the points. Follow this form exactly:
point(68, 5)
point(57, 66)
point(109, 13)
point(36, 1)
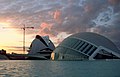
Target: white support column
point(95, 53)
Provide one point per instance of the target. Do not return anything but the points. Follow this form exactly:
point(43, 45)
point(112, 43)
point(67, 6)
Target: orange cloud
point(45, 29)
point(45, 25)
point(57, 15)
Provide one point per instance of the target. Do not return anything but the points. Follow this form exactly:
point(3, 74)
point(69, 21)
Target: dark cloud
point(70, 16)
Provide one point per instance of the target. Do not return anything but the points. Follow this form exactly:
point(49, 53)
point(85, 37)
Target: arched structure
point(86, 45)
point(41, 48)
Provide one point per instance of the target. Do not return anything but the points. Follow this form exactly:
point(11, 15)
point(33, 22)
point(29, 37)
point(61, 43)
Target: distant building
point(41, 46)
point(3, 51)
point(3, 55)
point(86, 45)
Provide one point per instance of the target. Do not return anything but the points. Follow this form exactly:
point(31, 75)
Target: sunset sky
point(56, 18)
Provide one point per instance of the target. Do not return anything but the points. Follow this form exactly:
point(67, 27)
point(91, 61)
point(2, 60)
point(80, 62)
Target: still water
point(44, 68)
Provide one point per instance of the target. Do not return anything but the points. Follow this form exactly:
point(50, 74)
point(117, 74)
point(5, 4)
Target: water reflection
point(44, 68)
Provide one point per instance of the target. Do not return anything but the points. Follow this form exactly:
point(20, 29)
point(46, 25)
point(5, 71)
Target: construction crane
point(24, 30)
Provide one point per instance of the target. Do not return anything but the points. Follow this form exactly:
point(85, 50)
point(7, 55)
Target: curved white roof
point(86, 45)
point(96, 39)
point(39, 45)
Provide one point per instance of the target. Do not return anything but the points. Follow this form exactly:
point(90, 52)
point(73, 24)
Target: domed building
point(86, 45)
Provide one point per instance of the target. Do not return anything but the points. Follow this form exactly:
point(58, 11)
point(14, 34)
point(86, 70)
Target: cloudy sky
point(58, 19)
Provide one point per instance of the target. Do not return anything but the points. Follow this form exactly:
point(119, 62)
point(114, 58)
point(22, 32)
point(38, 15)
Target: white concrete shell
point(39, 46)
point(86, 45)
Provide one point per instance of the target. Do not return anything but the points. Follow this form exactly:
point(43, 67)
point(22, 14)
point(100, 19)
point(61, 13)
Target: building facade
point(85, 46)
point(41, 48)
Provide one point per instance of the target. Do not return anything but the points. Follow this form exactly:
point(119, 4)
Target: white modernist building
point(41, 48)
point(86, 45)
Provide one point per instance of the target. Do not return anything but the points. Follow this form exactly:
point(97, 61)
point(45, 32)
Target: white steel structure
point(86, 45)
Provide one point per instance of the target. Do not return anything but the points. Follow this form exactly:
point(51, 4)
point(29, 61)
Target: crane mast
point(24, 28)
point(24, 31)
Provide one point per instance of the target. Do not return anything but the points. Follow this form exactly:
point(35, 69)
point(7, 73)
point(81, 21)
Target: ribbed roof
point(96, 39)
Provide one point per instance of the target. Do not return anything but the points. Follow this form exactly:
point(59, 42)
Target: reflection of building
point(41, 48)
point(86, 45)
